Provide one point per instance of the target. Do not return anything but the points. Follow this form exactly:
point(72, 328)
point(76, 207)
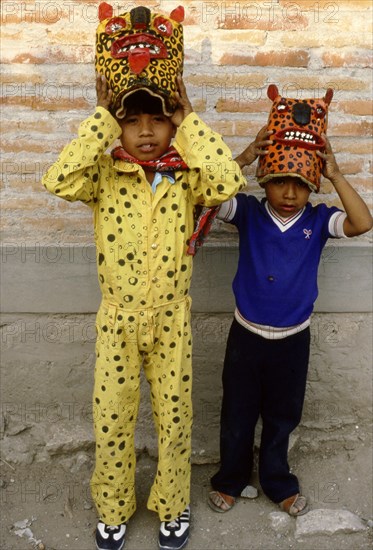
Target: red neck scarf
point(170, 160)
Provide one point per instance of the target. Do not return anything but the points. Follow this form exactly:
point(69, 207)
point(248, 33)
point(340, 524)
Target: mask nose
point(140, 17)
point(302, 113)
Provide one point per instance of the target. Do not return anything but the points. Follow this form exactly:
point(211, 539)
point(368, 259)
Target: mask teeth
point(153, 49)
point(300, 136)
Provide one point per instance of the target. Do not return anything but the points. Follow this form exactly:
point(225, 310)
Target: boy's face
point(146, 136)
point(287, 195)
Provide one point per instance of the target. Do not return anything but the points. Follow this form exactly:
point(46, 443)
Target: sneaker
point(110, 537)
point(174, 534)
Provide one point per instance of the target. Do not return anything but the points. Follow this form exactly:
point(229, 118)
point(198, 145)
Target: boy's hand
point(104, 93)
point(256, 148)
point(330, 169)
point(184, 107)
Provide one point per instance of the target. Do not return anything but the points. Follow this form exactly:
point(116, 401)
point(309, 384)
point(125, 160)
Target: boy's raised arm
point(184, 105)
point(359, 219)
point(103, 92)
point(214, 176)
point(256, 148)
point(76, 173)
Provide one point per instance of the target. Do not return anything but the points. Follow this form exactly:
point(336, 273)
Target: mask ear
point(272, 91)
point(104, 11)
point(178, 14)
point(328, 96)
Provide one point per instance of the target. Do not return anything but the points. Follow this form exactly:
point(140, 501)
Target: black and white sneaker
point(110, 537)
point(174, 534)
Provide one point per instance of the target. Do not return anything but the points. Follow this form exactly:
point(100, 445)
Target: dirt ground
point(54, 498)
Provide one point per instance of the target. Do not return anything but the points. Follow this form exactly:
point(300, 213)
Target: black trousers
point(267, 378)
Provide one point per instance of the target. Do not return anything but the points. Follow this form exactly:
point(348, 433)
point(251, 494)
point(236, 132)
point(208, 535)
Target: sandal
point(220, 502)
point(295, 505)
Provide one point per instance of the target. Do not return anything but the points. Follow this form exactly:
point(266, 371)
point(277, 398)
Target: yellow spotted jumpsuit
point(144, 317)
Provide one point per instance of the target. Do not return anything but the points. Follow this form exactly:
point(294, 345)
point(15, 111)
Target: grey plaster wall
point(49, 298)
point(63, 279)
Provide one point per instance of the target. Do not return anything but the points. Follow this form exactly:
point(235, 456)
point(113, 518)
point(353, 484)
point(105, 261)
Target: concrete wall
point(49, 298)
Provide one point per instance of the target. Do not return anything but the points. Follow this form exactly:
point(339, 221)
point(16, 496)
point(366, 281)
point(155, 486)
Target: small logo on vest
point(308, 233)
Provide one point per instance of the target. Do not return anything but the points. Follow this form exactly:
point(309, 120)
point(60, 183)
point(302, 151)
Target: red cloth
point(171, 160)
point(202, 229)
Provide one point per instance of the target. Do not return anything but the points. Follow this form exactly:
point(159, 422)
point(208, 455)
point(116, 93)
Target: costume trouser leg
point(161, 339)
point(267, 378)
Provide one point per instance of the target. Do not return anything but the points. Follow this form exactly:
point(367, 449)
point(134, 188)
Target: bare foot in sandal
point(220, 502)
point(295, 505)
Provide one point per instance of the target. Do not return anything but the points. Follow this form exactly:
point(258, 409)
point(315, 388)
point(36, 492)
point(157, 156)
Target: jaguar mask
point(140, 50)
point(297, 125)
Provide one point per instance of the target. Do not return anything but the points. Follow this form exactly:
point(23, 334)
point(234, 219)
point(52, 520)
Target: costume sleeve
point(214, 177)
point(76, 173)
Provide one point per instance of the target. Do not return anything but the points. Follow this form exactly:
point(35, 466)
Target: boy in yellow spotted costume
point(143, 217)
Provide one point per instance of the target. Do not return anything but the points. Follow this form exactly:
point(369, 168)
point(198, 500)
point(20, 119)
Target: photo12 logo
point(271, 12)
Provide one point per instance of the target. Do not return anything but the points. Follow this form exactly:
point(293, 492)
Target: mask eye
point(163, 26)
point(282, 107)
point(115, 24)
point(319, 111)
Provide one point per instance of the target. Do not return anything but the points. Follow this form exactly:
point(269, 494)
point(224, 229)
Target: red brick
point(218, 79)
point(331, 36)
point(361, 183)
point(46, 229)
point(300, 85)
point(26, 144)
point(345, 5)
point(298, 58)
point(255, 106)
point(360, 107)
point(55, 13)
point(359, 128)
point(9, 126)
point(248, 128)
point(351, 165)
point(347, 59)
point(199, 105)
point(45, 54)
point(353, 145)
point(22, 175)
point(38, 104)
point(76, 208)
point(263, 19)
point(23, 204)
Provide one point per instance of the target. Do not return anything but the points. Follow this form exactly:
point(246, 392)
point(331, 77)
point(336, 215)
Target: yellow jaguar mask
point(298, 125)
point(140, 50)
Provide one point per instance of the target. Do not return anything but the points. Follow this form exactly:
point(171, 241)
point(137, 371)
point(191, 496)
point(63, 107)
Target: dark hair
point(143, 102)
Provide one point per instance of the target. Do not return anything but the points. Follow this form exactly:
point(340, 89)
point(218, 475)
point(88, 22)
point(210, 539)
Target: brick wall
point(233, 51)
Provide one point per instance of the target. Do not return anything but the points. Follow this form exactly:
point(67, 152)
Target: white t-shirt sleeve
point(227, 210)
point(336, 225)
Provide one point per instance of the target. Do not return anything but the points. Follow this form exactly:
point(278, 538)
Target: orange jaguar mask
point(140, 50)
point(298, 125)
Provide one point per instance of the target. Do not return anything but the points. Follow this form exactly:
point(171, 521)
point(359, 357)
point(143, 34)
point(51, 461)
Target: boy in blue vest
point(280, 243)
